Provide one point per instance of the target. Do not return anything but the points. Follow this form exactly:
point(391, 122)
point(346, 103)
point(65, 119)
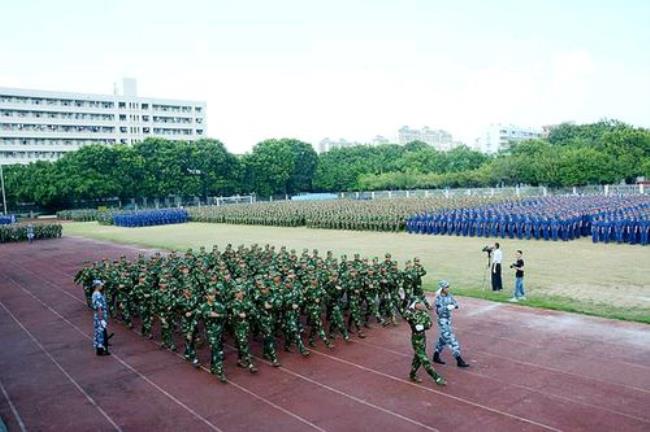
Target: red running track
point(531, 369)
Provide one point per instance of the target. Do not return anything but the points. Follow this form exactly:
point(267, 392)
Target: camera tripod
point(486, 271)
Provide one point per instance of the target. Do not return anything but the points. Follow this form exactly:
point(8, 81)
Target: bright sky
point(351, 69)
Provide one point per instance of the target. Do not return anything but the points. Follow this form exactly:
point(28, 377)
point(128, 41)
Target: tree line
point(608, 151)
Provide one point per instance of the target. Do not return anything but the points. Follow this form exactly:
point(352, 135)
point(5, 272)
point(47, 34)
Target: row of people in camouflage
point(142, 218)
point(29, 232)
point(253, 292)
point(549, 218)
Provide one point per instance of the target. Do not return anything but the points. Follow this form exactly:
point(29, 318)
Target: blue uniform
point(98, 302)
point(446, 335)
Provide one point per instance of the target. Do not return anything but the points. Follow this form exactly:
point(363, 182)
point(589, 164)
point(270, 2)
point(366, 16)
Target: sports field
point(532, 370)
point(605, 280)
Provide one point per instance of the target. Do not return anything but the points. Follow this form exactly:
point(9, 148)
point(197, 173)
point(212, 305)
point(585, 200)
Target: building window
point(145, 118)
point(121, 105)
point(146, 130)
point(145, 106)
point(122, 117)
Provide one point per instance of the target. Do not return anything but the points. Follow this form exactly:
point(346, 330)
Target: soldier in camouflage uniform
point(164, 309)
point(314, 309)
point(241, 311)
point(214, 314)
point(124, 297)
point(335, 292)
point(267, 302)
point(370, 295)
point(291, 325)
point(143, 293)
point(419, 320)
point(187, 306)
point(355, 287)
point(445, 303)
point(85, 277)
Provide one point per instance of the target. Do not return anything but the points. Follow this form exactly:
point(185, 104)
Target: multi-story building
point(438, 138)
point(498, 135)
point(327, 144)
point(44, 125)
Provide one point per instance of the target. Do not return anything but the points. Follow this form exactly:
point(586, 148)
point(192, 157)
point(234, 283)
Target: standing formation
point(613, 218)
point(254, 292)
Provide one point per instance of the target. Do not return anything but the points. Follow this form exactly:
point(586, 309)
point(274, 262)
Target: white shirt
point(497, 256)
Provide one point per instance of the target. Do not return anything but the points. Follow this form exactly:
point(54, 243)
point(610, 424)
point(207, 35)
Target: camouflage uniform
point(214, 313)
point(267, 302)
point(292, 304)
point(187, 306)
point(241, 311)
point(314, 308)
point(420, 321)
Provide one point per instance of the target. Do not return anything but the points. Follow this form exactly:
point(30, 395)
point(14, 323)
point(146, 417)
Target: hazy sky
point(352, 69)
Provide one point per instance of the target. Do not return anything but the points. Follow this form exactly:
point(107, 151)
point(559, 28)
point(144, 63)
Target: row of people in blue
point(633, 228)
point(144, 218)
point(7, 219)
point(544, 218)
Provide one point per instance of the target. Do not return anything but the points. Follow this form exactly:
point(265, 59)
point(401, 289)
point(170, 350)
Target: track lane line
point(19, 420)
point(456, 398)
point(238, 386)
point(523, 387)
point(486, 353)
point(61, 368)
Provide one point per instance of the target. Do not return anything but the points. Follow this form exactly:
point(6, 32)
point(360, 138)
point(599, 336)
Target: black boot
point(100, 351)
point(461, 363)
point(437, 359)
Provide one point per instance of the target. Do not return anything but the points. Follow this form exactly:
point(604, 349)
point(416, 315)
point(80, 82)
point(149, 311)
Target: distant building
point(496, 136)
point(44, 125)
point(328, 144)
point(438, 138)
point(379, 140)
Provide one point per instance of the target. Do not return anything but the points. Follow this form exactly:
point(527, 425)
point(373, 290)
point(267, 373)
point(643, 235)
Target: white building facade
point(497, 136)
point(327, 144)
point(438, 138)
point(43, 125)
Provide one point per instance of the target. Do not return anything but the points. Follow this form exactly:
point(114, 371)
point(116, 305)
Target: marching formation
point(620, 218)
point(255, 292)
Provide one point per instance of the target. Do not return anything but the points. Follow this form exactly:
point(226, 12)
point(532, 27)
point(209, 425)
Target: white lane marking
point(456, 398)
point(347, 395)
point(296, 416)
point(356, 399)
point(58, 365)
point(116, 357)
point(534, 390)
point(19, 420)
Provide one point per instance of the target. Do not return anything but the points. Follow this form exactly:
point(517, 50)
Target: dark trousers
point(497, 284)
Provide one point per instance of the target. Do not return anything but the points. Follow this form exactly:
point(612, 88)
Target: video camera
point(488, 249)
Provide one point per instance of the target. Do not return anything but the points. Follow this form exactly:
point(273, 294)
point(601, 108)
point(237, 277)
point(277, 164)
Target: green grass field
point(605, 280)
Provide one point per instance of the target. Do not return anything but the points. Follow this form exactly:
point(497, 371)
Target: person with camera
point(497, 257)
point(518, 266)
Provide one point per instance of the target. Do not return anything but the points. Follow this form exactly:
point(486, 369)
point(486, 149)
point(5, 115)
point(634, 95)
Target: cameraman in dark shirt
point(519, 277)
